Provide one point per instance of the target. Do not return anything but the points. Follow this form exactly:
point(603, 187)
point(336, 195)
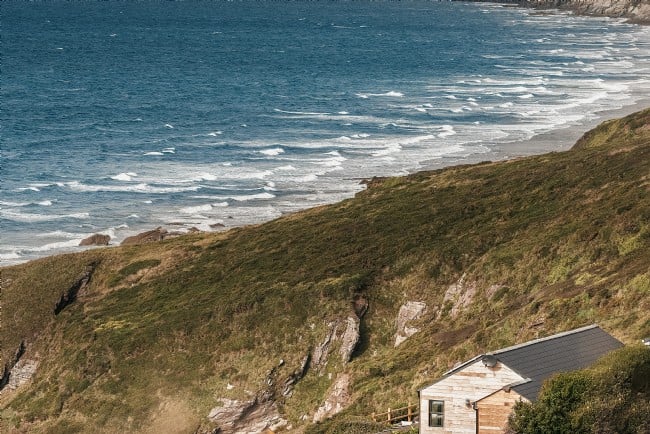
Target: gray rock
point(96, 240)
point(410, 311)
point(338, 399)
point(350, 339)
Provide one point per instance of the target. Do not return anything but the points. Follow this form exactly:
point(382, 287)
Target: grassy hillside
point(142, 338)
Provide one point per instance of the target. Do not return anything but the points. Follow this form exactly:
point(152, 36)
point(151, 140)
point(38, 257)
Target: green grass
point(563, 236)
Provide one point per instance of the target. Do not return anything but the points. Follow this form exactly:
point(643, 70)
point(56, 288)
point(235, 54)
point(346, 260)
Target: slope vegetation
point(283, 324)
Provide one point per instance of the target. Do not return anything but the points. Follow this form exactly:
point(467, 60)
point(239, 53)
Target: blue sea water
point(118, 117)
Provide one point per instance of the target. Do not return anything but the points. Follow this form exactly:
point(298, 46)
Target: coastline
point(558, 140)
point(633, 12)
point(553, 140)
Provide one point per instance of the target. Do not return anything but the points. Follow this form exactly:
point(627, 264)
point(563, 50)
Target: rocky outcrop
point(458, 295)
point(96, 240)
point(246, 417)
point(346, 332)
point(9, 365)
point(410, 311)
point(152, 236)
point(338, 399)
point(636, 11)
point(70, 295)
point(295, 376)
point(350, 339)
point(21, 373)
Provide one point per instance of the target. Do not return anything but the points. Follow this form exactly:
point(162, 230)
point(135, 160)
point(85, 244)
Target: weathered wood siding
point(493, 411)
point(472, 383)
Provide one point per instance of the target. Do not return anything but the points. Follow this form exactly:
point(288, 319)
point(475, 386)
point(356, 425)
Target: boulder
point(96, 240)
point(152, 236)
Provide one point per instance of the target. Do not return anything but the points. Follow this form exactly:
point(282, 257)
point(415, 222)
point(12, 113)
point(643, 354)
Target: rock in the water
point(96, 240)
point(152, 236)
point(337, 399)
point(410, 311)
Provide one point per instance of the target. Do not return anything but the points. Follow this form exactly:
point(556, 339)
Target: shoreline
point(555, 140)
point(559, 140)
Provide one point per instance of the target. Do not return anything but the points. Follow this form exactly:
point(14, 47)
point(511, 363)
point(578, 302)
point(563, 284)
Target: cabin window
point(436, 413)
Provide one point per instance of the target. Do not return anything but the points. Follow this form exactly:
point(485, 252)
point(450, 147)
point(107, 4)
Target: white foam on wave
point(205, 177)
point(391, 94)
point(287, 168)
point(272, 152)
point(447, 131)
point(390, 149)
point(124, 176)
point(154, 153)
point(299, 113)
point(13, 204)
point(307, 178)
point(247, 197)
point(61, 234)
point(133, 188)
point(34, 218)
point(55, 246)
point(170, 126)
point(10, 256)
point(196, 209)
point(215, 133)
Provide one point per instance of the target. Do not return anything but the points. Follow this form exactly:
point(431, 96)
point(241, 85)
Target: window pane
point(436, 413)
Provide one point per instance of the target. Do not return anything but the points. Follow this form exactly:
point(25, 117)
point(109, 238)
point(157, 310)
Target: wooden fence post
point(388, 414)
point(373, 417)
point(408, 413)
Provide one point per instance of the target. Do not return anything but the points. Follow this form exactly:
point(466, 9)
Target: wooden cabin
point(478, 395)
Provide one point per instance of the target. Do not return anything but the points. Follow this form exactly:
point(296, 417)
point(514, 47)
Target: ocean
point(119, 117)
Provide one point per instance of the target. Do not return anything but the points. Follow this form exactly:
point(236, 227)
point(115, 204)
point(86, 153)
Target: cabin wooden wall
point(493, 411)
point(472, 383)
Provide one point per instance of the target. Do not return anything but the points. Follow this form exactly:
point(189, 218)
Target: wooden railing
point(407, 413)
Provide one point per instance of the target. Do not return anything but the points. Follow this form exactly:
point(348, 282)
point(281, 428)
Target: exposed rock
point(295, 376)
point(9, 365)
point(637, 11)
point(350, 339)
point(321, 352)
point(408, 312)
point(152, 236)
point(246, 417)
point(71, 294)
point(460, 295)
point(360, 305)
point(217, 225)
point(96, 240)
point(21, 373)
point(337, 399)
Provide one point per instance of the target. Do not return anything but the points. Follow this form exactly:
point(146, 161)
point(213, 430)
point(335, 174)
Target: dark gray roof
point(539, 359)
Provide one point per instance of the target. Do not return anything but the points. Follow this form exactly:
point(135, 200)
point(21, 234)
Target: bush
point(613, 396)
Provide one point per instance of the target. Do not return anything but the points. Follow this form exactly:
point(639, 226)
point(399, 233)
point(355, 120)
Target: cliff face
point(637, 11)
